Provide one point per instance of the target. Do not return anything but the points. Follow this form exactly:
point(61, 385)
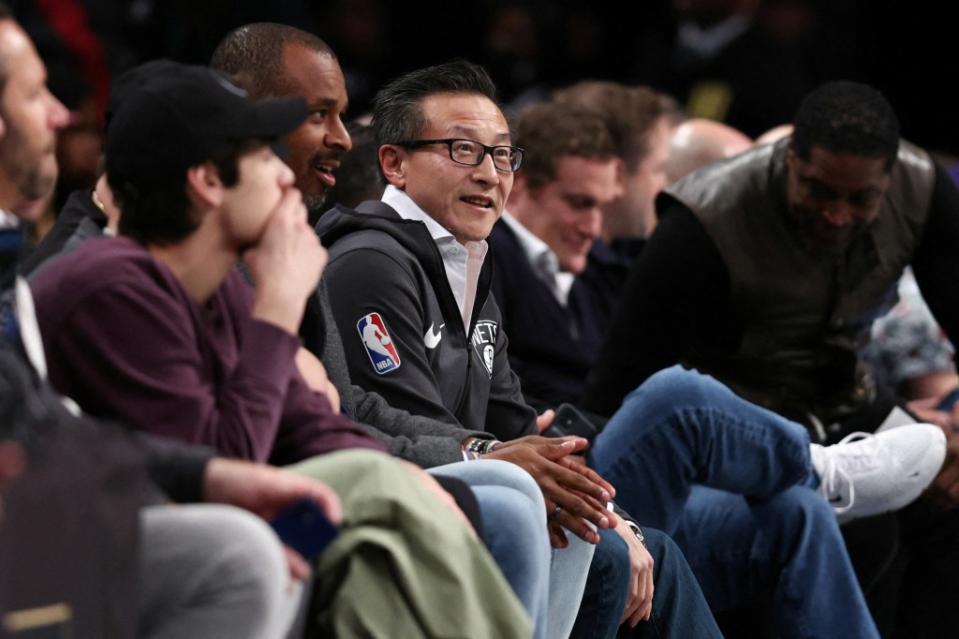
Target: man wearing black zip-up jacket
point(377, 256)
point(409, 280)
point(477, 389)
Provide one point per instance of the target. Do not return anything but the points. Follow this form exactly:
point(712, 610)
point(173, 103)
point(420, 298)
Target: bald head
point(698, 142)
point(775, 134)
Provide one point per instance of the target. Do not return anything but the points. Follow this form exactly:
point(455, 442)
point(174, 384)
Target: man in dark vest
point(768, 269)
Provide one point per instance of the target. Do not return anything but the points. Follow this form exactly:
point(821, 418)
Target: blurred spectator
point(774, 134)
point(815, 226)
point(724, 63)
point(555, 214)
point(88, 213)
point(85, 503)
point(910, 351)
point(698, 142)
point(359, 31)
point(513, 53)
point(640, 121)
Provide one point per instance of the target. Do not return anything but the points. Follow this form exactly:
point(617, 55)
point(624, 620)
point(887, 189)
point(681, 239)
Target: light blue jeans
point(549, 582)
point(516, 534)
point(731, 482)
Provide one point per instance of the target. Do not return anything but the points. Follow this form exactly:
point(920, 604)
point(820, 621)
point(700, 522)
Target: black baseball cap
point(165, 117)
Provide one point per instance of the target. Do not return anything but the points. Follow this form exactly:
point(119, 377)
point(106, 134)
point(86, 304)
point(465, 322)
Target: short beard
point(30, 181)
point(806, 226)
point(314, 207)
point(37, 185)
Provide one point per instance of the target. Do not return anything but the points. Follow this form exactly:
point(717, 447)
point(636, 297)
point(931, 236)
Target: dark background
point(906, 49)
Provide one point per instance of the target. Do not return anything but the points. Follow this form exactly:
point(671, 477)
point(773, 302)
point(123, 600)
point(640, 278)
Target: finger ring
point(555, 512)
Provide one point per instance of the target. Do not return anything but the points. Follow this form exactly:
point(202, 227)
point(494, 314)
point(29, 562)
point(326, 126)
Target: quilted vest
point(805, 314)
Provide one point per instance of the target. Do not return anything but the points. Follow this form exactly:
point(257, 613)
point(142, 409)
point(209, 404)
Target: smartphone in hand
point(570, 421)
point(303, 526)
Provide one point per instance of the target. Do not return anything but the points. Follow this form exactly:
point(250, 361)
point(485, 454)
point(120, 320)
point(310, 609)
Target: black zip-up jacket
point(77, 221)
point(402, 329)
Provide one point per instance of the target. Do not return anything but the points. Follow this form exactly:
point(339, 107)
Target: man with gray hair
point(698, 142)
point(142, 566)
point(445, 149)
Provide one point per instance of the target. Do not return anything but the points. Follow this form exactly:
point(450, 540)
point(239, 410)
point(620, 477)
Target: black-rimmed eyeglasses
point(471, 153)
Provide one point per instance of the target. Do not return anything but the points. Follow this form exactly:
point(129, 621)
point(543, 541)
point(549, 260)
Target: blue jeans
point(513, 512)
point(679, 608)
point(607, 587)
point(731, 482)
point(548, 582)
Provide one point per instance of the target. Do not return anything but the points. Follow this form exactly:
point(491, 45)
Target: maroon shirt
point(124, 340)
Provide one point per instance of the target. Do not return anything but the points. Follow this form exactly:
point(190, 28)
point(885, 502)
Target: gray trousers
point(209, 570)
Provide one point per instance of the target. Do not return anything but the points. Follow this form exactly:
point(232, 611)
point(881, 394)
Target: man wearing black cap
point(192, 352)
point(189, 162)
point(82, 523)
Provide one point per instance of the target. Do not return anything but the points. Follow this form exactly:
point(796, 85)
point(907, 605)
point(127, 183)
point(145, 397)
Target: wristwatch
point(637, 531)
point(476, 447)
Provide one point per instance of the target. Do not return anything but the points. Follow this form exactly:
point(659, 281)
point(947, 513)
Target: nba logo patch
point(378, 343)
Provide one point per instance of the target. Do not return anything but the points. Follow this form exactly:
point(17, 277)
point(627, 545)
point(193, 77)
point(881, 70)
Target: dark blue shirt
point(552, 347)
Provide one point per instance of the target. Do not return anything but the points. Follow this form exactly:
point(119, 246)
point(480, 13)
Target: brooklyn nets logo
point(484, 343)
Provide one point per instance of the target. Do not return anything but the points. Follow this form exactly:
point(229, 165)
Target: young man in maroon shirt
point(158, 328)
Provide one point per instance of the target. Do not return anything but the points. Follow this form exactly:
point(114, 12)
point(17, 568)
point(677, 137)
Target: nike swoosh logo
point(431, 339)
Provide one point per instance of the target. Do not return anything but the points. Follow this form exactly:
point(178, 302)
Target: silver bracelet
point(479, 447)
point(637, 531)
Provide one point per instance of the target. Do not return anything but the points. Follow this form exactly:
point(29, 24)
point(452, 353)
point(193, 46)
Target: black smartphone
point(304, 527)
point(570, 421)
point(949, 400)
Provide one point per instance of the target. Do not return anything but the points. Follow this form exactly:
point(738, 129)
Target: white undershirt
point(461, 262)
point(8, 220)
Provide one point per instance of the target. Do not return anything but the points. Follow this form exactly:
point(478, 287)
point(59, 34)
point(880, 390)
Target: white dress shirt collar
point(8, 220)
point(462, 262)
point(410, 210)
point(543, 260)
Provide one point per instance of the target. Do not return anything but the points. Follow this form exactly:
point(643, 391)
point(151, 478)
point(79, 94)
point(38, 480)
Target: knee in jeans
point(679, 387)
point(512, 510)
point(511, 475)
point(800, 507)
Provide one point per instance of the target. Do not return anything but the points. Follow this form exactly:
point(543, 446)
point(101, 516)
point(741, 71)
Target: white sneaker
point(866, 474)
